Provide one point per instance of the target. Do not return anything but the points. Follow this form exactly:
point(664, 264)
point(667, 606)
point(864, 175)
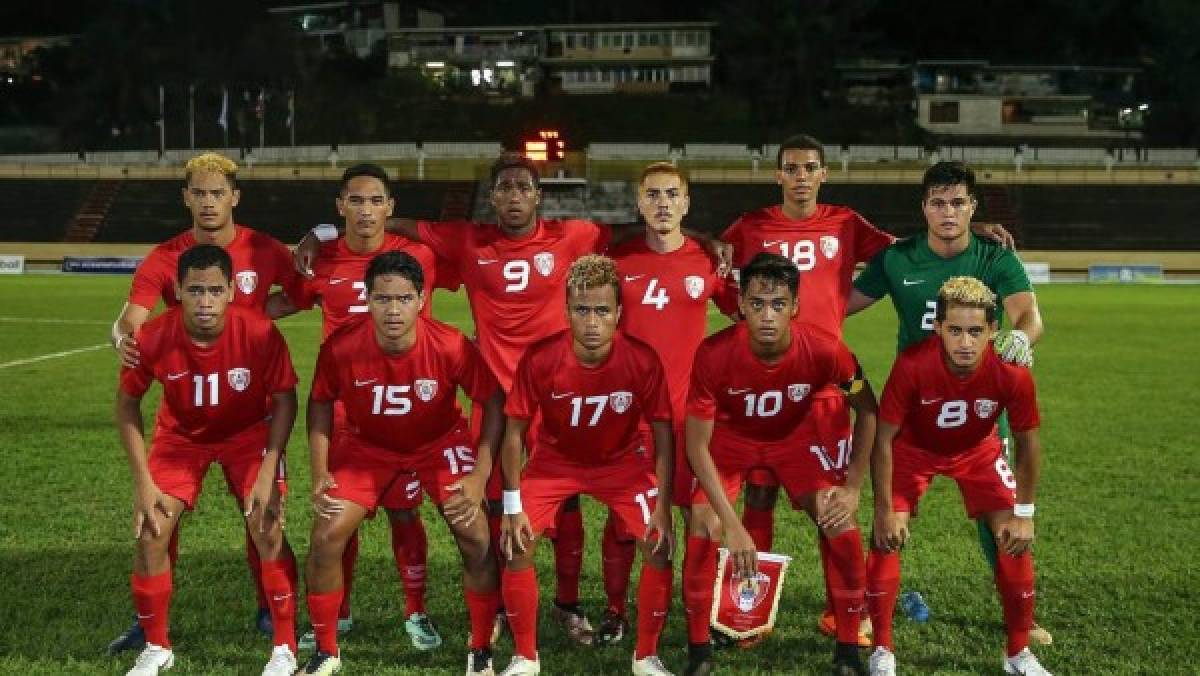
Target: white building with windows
point(634, 57)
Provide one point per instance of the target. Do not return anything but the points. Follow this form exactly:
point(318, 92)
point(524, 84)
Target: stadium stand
point(629, 151)
point(716, 151)
point(480, 150)
point(39, 211)
point(1155, 218)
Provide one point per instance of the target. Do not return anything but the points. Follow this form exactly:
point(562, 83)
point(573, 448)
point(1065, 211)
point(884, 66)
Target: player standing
point(396, 375)
point(260, 262)
point(229, 397)
point(592, 387)
point(938, 417)
point(752, 404)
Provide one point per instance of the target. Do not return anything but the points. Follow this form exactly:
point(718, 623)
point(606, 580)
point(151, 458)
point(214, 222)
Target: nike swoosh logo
point(774, 242)
point(145, 617)
point(360, 383)
point(281, 598)
point(631, 278)
point(338, 280)
point(556, 395)
point(912, 282)
point(926, 402)
point(176, 376)
point(741, 391)
point(488, 261)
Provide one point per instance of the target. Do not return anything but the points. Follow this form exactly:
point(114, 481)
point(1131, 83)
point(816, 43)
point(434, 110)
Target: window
point(628, 40)
point(605, 40)
point(943, 112)
point(643, 39)
point(702, 38)
point(692, 37)
point(570, 41)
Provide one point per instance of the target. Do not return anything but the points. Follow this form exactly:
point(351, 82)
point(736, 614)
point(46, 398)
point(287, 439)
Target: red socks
point(883, 584)
point(617, 564)
point(1014, 581)
point(761, 526)
point(699, 575)
point(520, 591)
point(842, 559)
point(282, 596)
point(568, 555)
point(349, 558)
point(323, 613)
point(654, 599)
point(152, 600)
point(481, 608)
point(410, 548)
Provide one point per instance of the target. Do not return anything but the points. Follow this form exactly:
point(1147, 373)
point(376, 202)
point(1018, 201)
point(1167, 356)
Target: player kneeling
point(590, 387)
point(229, 396)
point(397, 374)
point(938, 417)
point(751, 405)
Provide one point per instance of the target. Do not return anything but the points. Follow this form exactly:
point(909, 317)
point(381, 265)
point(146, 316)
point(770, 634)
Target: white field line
point(53, 355)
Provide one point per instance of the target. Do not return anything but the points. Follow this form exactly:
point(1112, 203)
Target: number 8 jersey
point(945, 414)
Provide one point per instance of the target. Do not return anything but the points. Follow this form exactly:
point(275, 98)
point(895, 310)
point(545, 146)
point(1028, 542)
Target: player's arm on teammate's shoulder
point(870, 285)
point(742, 552)
point(131, 319)
point(889, 533)
point(279, 305)
point(148, 502)
point(1016, 345)
point(842, 502)
point(995, 232)
point(305, 253)
point(1017, 535)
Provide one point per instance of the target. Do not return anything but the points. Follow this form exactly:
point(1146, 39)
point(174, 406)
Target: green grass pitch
point(1115, 556)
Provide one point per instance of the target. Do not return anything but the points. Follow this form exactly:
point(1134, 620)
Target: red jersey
point(825, 248)
point(664, 302)
point(754, 402)
point(589, 415)
point(259, 262)
point(401, 401)
point(945, 414)
point(210, 394)
point(517, 287)
point(337, 282)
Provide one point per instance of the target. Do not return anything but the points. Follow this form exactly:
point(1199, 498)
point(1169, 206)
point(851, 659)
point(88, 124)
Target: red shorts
point(814, 458)
point(178, 469)
point(495, 484)
point(403, 493)
point(626, 486)
point(833, 414)
point(365, 473)
point(983, 476)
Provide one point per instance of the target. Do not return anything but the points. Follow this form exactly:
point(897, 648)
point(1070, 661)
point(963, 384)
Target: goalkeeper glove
point(1014, 347)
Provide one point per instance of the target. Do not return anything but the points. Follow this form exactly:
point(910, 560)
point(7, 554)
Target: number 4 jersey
point(945, 414)
point(401, 401)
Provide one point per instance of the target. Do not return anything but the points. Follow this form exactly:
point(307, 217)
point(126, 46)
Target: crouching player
point(397, 375)
point(751, 405)
point(591, 386)
point(229, 396)
point(938, 417)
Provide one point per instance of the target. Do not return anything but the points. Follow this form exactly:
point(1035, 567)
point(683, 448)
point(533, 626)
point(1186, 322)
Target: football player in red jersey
point(752, 404)
point(938, 417)
point(667, 280)
point(365, 203)
point(260, 262)
point(592, 387)
point(397, 375)
point(229, 397)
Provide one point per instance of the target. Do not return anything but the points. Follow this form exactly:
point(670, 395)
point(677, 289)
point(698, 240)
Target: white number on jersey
point(361, 287)
point(599, 401)
point(803, 253)
point(213, 389)
point(460, 459)
point(764, 405)
point(660, 299)
point(954, 414)
point(827, 462)
point(517, 274)
point(393, 396)
point(930, 314)
point(643, 500)
point(1006, 474)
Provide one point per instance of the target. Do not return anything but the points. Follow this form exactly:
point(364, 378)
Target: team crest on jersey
point(426, 389)
point(620, 401)
point(798, 391)
point(829, 246)
point(544, 262)
point(984, 408)
point(694, 286)
point(749, 593)
point(247, 281)
point(239, 379)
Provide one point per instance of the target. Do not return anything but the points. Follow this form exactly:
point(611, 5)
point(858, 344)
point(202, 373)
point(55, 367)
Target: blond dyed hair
point(591, 272)
point(966, 292)
point(215, 162)
point(665, 168)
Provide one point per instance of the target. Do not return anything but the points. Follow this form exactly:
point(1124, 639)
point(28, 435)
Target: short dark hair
point(515, 161)
point(771, 268)
point(395, 263)
point(203, 257)
point(799, 142)
point(946, 174)
point(366, 169)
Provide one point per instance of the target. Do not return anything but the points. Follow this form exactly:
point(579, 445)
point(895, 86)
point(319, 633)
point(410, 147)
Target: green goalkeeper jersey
point(911, 273)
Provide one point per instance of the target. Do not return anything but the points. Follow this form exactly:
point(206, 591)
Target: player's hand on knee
point(1014, 347)
point(148, 504)
point(742, 552)
point(836, 507)
point(466, 500)
point(516, 534)
point(660, 531)
point(258, 502)
point(1015, 536)
point(324, 505)
point(890, 531)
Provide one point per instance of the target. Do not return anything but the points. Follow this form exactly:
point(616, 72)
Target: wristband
point(1023, 511)
point(512, 503)
point(325, 232)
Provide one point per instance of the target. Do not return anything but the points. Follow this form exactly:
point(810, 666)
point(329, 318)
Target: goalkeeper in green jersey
point(913, 269)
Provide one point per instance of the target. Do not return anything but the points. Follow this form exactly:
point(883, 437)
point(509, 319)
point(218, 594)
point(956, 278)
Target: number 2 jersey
point(211, 394)
point(945, 414)
point(401, 401)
